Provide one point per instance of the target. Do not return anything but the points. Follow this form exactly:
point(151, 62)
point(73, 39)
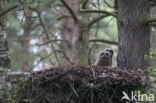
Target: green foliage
point(151, 57)
point(153, 53)
point(152, 71)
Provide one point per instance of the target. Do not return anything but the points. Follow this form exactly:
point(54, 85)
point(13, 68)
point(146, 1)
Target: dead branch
point(104, 41)
point(99, 11)
point(8, 10)
point(70, 11)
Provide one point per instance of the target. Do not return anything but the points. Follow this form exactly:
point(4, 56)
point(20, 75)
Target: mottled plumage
point(103, 59)
point(110, 50)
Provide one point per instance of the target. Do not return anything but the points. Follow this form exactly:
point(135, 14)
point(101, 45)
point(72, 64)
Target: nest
point(80, 84)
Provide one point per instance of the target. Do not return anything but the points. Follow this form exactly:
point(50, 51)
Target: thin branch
point(150, 20)
point(154, 1)
point(65, 55)
point(70, 11)
point(55, 40)
point(65, 16)
point(84, 4)
point(153, 5)
point(104, 41)
point(153, 25)
point(46, 32)
point(8, 10)
point(108, 4)
point(41, 59)
point(92, 95)
point(99, 11)
point(96, 20)
point(93, 4)
point(97, 26)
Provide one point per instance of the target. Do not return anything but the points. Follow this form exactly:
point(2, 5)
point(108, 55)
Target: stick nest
point(80, 84)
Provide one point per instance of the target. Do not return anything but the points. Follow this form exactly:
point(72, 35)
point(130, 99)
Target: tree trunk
point(81, 39)
point(28, 26)
point(134, 35)
point(79, 34)
point(68, 29)
point(4, 60)
point(82, 42)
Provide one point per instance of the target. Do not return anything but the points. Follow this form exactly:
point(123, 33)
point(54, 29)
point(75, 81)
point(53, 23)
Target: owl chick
point(110, 50)
point(103, 59)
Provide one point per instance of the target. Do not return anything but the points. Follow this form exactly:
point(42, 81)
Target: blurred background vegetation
point(25, 34)
point(28, 47)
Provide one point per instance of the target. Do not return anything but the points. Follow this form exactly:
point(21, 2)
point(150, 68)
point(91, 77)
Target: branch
point(150, 20)
point(8, 10)
point(96, 20)
point(154, 1)
point(65, 55)
point(46, 33)
point(99, 11)
point(84, 4)
point(153, 25)
point(55, 40)
point(41, 59)
point(104, 41)
point(108, 4)
point(65, 16)
point(93, 4)
point(153, 5)
point(70, 11)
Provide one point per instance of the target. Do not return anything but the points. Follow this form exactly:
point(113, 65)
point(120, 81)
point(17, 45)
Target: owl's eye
point(102, 54)
point(111, 51)
point(106, 54)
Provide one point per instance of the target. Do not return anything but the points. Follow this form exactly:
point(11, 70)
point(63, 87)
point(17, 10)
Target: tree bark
point(81, 41)
point(4, 59)
point(68, 29)
point(80, 34)
point(133, 33)
point(28, 26)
